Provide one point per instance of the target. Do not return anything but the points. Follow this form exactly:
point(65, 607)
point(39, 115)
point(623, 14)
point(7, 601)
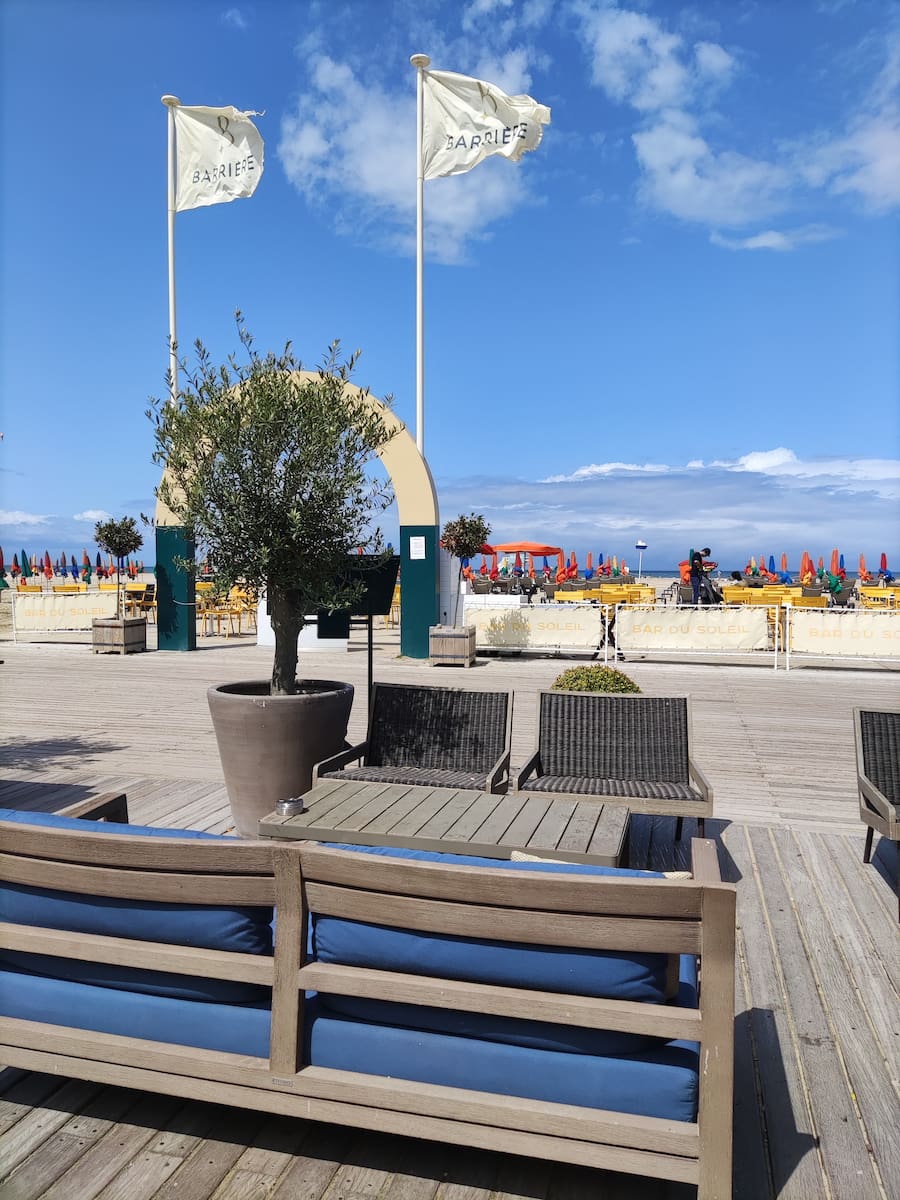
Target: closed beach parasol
point(85, 567)
point(3, 583)
point(15, 569)
point(783, 561)
point(48, 565)
point(26, 569)
point(835, 562)
point(63, 566)
point(883, 564)
point(73, 569)
point(863, 573)
point(589, 565)
point(517, 566)
point(99, 567)
point(495, 570)
point(771, 564)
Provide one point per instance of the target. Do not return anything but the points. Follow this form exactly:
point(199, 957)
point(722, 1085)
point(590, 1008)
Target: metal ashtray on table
point(456, 821)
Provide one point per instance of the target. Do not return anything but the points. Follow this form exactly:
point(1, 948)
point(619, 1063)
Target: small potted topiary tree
point(454, 645)
point(266, 467)
point(123, 634)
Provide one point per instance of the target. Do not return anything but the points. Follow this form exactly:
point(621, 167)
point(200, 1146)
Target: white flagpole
point(420, 62)
point(172, 102)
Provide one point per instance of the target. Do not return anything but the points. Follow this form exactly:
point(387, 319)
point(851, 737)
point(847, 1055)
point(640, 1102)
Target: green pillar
point(175, 596)
point(419, 587)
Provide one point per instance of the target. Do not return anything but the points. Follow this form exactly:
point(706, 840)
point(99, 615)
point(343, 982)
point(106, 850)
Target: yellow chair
point(30, 587)
point(392, 618)
point(71, 589)
point(105, 587)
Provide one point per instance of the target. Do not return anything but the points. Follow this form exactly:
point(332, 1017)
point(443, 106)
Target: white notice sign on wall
point(416, 547)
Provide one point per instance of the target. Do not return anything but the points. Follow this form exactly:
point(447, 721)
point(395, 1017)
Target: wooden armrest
point(705, 861)
point(702, 782)
point(531, 767)
point(340, 760)
point(498, 772)
point(875, 798)
point(110, 806)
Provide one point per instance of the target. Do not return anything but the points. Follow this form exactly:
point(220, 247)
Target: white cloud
point(764, 500)
point(92, 514)
point(773, 239)
point(349, 147)
point(639, 63)
point(684, 176)
point(477, 9)
point(714, 62)
point(609, 468)
point(16, 517)
point(235, 18)
point(633, 58)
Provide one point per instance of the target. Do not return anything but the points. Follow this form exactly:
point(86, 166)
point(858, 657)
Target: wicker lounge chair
point(878, 776)
point(431, 736)
point(634, 749)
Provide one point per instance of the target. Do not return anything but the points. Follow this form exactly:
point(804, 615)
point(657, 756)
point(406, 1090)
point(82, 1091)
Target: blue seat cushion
point(660, 1082)
point(240, 929)
point(610, 974)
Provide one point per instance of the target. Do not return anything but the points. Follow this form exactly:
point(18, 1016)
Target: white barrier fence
point(49, 612)
point(842, 632)
point(755, 631)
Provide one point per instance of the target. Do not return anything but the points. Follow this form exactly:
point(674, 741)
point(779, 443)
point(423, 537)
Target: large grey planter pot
point(269, 745)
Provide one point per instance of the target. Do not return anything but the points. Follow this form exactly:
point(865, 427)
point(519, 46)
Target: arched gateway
point(419, 535)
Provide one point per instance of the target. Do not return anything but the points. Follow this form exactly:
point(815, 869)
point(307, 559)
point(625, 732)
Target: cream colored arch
point(413, 485)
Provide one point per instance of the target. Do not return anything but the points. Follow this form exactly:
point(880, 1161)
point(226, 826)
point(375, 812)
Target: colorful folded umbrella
point(26, 569)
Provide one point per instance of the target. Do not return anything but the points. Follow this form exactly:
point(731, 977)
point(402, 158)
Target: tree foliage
point(119, 538)
point(267, 470)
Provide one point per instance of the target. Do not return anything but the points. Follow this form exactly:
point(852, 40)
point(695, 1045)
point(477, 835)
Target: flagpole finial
point(419, 61)
point(170, 101)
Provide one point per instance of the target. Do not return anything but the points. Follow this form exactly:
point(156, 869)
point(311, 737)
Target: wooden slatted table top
point(456, 821)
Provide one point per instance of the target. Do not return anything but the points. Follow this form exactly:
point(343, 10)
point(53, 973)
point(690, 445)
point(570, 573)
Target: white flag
point(467, 119)
point(219, 154)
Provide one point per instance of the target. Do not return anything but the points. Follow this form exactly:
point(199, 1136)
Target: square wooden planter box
point(110, 635)
point(451, 645)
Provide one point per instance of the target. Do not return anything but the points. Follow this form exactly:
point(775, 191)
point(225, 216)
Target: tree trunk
point(287, 621)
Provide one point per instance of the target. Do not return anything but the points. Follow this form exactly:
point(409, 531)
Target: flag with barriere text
point(219, 156)
point(465, 120)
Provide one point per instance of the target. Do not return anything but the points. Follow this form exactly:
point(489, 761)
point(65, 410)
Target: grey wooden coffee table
point(456, 821)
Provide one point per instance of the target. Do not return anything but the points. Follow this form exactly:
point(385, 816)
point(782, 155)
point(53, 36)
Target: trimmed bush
point(595, 678)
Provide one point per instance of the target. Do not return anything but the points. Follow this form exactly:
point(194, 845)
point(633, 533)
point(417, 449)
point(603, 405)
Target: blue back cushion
point(612, 974)
point(240, 929)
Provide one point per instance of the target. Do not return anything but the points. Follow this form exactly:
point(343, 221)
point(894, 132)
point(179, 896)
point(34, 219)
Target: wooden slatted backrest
point(601, 913)
point(438, 727)
point(878, 749)
point(614, 737)
point(132, 867)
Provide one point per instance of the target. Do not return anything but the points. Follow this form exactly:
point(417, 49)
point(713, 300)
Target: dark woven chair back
point(880, 742)
point(443, 728)
point(614, 737)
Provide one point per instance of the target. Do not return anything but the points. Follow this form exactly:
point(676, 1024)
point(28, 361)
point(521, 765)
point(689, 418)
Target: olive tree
point(266, 466)
point(118, 538)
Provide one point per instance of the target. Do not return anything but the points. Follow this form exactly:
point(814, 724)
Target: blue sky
point(676, 320)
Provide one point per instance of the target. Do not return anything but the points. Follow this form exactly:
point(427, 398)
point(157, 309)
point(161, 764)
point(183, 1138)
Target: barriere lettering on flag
point(219, 155)
point(466, 119)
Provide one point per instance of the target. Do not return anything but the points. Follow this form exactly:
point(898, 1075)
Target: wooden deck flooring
point(817, 1101)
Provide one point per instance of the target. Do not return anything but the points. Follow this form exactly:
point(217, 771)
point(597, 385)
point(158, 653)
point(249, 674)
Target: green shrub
point(595, 678)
